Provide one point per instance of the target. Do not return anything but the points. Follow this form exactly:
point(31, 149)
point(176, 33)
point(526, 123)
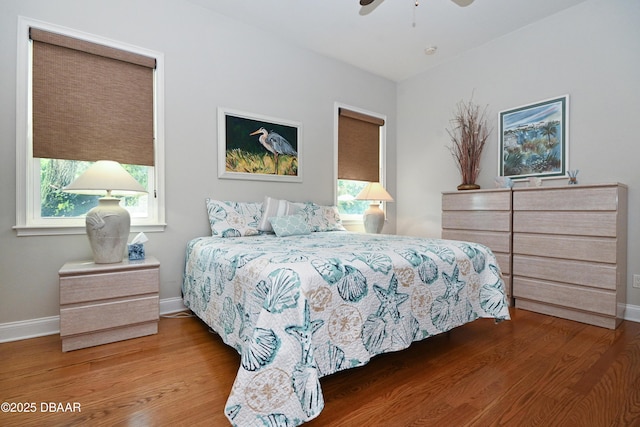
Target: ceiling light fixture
point(430, 50)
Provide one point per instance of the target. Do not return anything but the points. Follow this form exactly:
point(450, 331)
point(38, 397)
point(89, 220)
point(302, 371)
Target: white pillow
point(319, 218)
point(333, 222)
point(272, 208)
point(233, 219)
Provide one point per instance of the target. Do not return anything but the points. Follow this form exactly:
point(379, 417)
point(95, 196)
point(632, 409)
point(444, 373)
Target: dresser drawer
point(569, 247)
point(567, 271)
point(568, 223)
point(571, 198)
point(92, 287)
point(495, 200)
point(576, 297)
point(498, 241)
point(479, 220)
point(507, 284)
point(108, 315)
point(504, 262)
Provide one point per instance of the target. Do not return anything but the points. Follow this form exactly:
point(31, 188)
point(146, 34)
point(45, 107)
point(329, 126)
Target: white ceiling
point(382, 37)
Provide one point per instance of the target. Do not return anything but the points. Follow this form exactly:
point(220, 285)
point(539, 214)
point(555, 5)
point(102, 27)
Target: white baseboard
point(23, 329)
point(14, 331)
point(174, 305)
point(632, 313)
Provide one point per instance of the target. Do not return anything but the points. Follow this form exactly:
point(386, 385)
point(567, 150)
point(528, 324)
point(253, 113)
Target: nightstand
point(103, 303)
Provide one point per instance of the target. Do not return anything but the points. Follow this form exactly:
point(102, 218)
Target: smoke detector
point(430, 50)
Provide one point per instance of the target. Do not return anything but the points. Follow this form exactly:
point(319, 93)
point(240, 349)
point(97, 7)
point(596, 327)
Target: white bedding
point(301, 307)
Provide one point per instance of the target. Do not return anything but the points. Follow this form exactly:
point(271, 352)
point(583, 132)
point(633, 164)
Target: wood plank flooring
point(534, 370)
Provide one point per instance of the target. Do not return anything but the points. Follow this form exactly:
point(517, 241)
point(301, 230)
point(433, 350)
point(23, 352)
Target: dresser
point(103, 303)
point(570, 252)
point(481, 216)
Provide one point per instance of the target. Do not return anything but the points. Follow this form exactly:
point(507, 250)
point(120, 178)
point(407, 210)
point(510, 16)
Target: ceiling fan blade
point(369, 6)
point(463, 3)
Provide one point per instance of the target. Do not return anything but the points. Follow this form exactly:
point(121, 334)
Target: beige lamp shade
point(105, 176)
point(374, 191)
point(108, 224)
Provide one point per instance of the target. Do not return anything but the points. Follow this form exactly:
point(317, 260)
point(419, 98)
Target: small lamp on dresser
point(373, 217)
point(107, 224)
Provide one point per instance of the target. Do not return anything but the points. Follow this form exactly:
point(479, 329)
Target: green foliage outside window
point(347, 191)
point(55, 174)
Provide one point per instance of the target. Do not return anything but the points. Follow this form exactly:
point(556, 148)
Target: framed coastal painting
point(256, 147)
point(534, 139)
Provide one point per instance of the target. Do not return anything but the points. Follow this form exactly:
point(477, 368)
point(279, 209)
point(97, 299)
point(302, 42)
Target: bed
point(307, 302)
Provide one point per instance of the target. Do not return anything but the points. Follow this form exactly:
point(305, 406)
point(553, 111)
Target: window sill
point(52, 230)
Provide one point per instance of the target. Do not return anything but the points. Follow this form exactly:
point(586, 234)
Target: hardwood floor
point(534, 370)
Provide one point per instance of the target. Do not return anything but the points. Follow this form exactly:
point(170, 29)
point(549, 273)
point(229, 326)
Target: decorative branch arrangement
point(468, 135)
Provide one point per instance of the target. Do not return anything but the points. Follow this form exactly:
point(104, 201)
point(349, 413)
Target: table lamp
point(107, 224)
point(373, 217)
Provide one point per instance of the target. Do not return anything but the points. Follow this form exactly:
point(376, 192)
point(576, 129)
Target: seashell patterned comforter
point(301, 307)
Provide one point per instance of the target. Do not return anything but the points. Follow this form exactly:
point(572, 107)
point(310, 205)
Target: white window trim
point(357, 219)
point(26, 224)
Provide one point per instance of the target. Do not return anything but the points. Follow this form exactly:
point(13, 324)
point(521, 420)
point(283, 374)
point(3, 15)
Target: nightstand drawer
point(104, 303)
point(108, 315)
point(93, 287)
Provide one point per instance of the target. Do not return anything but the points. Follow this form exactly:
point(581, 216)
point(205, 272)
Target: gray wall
point(590, 52)
point(210, 61)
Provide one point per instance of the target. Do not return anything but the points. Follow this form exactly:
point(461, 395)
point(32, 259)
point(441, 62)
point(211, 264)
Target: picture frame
point(243, 139)
point(534, 140)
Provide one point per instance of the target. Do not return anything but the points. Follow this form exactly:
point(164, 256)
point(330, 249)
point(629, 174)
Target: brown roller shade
point(91, 102)
point(358, 146)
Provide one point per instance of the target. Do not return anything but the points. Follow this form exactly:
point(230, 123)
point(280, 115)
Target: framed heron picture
point(534, 139)
point(256, 147)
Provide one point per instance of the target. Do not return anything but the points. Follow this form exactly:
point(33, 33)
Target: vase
point(468, 187)
point(107, 227)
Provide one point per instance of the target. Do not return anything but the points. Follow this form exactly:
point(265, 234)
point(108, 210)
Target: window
point(81, 99)
point(360, 148)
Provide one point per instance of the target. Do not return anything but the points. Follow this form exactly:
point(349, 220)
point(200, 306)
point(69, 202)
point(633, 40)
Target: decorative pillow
point(295, 207)
point(272, 207)
point(233, 219)
point(320, 218)
point(290, 225)
point(333, 220)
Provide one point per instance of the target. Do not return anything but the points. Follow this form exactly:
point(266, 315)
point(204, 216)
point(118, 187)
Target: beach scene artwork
point(533, 140)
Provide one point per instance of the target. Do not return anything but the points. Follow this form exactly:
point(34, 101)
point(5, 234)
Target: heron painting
point(257, 147)
point(276, 144)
